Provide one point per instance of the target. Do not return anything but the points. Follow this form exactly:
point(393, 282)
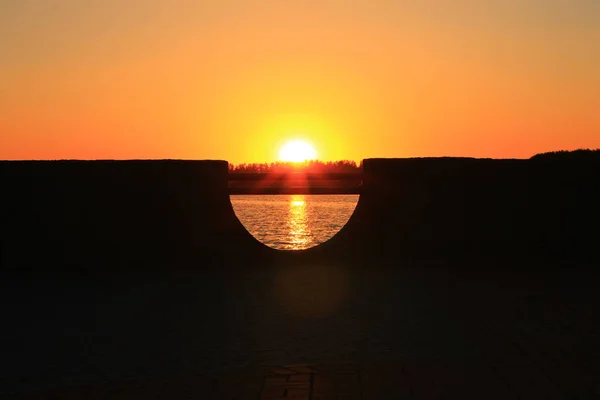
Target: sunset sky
point(235, 79)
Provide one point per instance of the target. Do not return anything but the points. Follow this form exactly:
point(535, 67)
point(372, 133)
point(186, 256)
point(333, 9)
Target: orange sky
point(233, 79)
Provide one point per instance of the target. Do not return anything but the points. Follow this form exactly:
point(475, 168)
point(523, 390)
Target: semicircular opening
point(294, 221)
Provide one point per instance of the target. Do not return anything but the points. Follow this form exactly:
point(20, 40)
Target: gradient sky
point(233, 79)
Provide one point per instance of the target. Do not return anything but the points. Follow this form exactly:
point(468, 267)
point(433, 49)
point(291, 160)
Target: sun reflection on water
point(293, 222)
point(300, 236)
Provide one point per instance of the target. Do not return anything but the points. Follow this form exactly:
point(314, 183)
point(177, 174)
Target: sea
point(293, 222)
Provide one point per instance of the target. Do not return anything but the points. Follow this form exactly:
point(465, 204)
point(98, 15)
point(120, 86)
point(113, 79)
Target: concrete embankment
point(130, 215)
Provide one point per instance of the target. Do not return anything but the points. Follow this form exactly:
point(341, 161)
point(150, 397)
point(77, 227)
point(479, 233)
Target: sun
point(297, 151)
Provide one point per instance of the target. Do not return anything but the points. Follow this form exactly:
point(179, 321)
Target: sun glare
point(297, 151)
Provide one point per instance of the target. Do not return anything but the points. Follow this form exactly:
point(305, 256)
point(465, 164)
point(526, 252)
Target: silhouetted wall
point(143, 215)
point(460, 207)
point(107, 215)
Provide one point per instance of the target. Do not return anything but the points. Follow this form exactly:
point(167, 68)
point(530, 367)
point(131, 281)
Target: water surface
point(293, 222)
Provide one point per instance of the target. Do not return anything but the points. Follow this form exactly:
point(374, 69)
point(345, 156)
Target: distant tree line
point(347, 166)
point(581, 154)
point(308, 166)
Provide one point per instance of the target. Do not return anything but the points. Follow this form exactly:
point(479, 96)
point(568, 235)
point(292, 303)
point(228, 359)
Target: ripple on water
point(293, 222)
